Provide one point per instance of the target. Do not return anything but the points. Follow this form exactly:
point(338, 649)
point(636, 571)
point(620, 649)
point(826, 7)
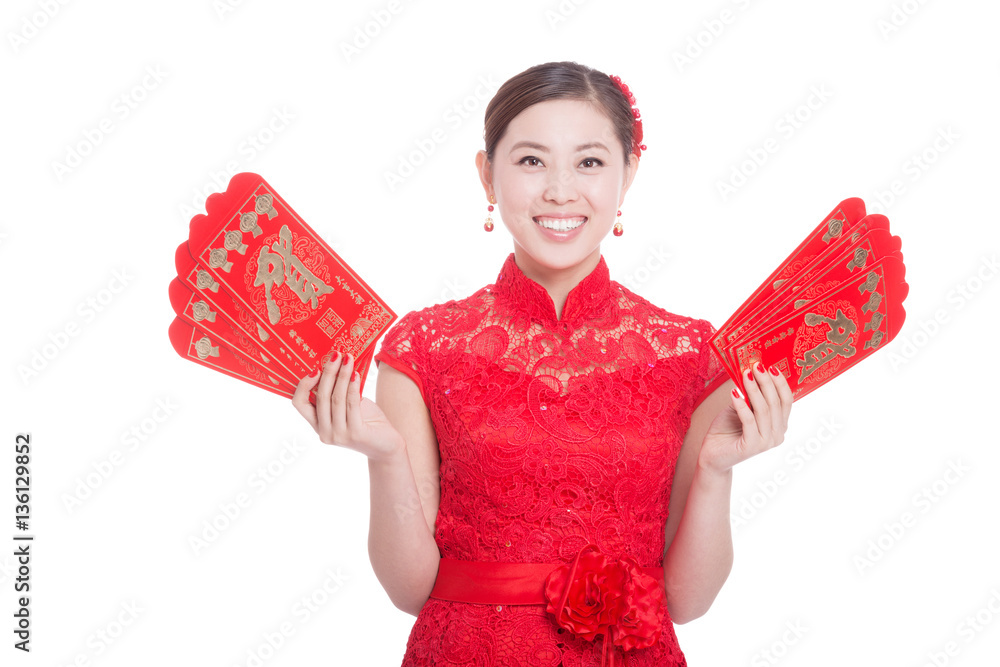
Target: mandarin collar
point(590, 299)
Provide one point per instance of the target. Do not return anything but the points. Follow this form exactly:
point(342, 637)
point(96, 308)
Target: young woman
point(550, 478)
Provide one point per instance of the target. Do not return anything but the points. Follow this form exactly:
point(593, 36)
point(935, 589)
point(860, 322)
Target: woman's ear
point(630, 169)
point(485, 170)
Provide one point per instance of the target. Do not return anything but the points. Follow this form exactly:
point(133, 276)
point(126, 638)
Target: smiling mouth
point(560, 224)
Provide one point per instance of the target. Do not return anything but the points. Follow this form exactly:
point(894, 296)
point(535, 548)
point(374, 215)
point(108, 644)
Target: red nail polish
point(760, 367)
point(314, 373)
point(750, 376)
point(336, 355)
point(774, 371)
point(736, 393)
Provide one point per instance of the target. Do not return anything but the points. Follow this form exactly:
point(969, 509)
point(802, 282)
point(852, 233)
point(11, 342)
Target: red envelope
point(831, 333)
point(193, 309)
point(282, 297)
point(197, 345)
point(846, 276)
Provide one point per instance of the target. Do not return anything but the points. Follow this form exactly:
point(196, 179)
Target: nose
point(561, 186)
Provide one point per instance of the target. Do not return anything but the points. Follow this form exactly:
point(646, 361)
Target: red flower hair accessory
point(594, 595)
point(637, 145)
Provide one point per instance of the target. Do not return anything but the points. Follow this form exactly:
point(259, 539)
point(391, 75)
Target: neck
point(557, 282)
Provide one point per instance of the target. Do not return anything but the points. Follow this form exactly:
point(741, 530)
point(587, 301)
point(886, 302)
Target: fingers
point(771, 398)
point(746, 416)
point(300, 399)
point(323, 394)
point(338, 401)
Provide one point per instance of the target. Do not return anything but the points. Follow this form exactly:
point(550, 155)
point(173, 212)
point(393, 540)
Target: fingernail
point(314, 373)
point(737, 393)
point(750, 376)
point(760, 367)
point(773, 371)
point(336, 355)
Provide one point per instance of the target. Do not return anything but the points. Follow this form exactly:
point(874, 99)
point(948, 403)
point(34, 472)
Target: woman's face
point(559, 164)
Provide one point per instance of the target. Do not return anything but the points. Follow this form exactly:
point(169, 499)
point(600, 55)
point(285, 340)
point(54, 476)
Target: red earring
point(489, 216)
point(618, 225)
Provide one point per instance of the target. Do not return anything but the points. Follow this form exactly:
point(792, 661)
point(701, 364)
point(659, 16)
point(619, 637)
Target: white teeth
point(560, 224)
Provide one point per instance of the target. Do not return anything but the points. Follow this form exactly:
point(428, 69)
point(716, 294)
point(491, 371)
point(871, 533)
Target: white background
point(900, 82)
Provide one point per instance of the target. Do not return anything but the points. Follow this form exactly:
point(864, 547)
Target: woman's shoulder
point(657, 318)
point(444, 314)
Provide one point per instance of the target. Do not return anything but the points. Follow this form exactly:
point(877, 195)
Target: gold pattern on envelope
point(837, 343)
point(360, 326)
point(219, 259)
point(234, 241)
point(330, 323)
point(207, 281)
point(281, 266)
point(874, 341)
point(873, 303)
point(262, 333)
point(205, 349)
point(248, 223)
point(870, 283)
point(874, 322)
point(859, 259)
point(265, 204)
point(833, 229)
point(201, 311)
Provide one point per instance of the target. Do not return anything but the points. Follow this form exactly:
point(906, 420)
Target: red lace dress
point(553, 434)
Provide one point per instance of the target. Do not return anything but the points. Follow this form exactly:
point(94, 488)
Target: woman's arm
point(723, 432)
point(396, 434)
point(405, 492)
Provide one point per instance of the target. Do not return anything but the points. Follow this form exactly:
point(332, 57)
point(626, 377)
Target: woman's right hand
point(341, 416)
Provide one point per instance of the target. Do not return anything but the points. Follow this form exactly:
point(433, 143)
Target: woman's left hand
point(737, 432)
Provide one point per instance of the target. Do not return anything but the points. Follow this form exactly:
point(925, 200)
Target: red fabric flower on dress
point(594, 595)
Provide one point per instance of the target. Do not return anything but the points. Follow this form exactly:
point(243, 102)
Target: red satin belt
point(488, 582)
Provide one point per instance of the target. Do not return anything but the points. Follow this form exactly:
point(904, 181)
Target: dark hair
point(558, 80)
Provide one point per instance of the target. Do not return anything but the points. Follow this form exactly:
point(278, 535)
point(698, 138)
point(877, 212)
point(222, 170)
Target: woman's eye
point(593, 162)
point(530, 160)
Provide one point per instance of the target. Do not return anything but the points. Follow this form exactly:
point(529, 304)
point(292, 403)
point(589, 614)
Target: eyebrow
point(544, 149)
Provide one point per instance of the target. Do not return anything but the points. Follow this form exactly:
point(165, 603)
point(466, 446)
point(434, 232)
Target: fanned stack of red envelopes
point(261, 297)
point(834, 301)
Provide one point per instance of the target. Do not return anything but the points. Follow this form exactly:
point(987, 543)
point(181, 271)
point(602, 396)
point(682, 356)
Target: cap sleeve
point(401, 348)
point(710, 371)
